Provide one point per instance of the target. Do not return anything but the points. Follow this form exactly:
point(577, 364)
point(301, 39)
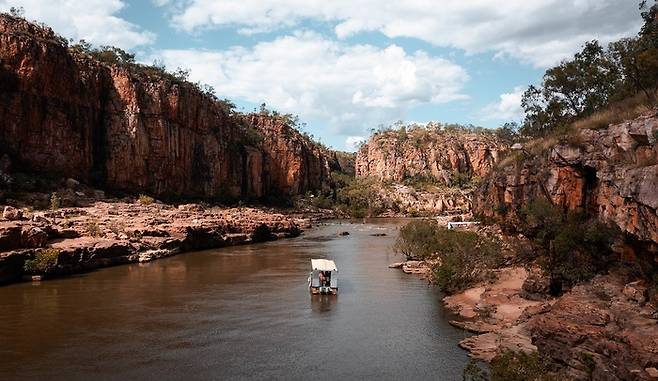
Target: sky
point(349, 66)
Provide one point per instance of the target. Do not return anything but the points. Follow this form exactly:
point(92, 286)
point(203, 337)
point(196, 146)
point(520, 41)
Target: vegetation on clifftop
point(600, 85)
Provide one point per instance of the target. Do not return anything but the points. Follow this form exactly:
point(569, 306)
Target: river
point(235, 313)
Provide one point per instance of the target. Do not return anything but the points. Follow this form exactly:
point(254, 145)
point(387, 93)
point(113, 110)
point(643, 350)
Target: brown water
point(235, 313)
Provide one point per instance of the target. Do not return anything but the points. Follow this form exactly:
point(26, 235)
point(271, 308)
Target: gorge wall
point(438, 155)
point(431, 170)
point(611, 173)
point(131, 128)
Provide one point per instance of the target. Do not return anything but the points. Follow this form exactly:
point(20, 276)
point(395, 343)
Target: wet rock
point(11, 265)
point(10, 237)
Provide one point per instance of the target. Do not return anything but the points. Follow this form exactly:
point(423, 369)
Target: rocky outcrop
point(135, 128)
point(603, 329)
point(424, 153)
point(611, 173)
point(113, 232)
point(598, 332)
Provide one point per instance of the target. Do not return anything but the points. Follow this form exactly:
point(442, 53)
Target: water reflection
point(323, 303)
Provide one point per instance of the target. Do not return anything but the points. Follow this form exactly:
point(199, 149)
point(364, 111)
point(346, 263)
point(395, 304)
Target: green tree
point(573, 89)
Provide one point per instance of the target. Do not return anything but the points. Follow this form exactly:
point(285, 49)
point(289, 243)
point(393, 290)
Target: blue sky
point(346, 67)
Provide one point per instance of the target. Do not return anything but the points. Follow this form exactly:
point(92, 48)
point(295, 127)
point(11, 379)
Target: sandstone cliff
point(137, 129)
point(419, 152)
point(611, 173)
point(432, 170)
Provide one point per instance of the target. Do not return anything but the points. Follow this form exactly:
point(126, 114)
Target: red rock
point(136, 130)
point(33, 237)
point(611, 175)
point(12, 214)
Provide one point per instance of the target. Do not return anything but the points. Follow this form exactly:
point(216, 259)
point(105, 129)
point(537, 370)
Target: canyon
point(133, 128)
point(110, 162)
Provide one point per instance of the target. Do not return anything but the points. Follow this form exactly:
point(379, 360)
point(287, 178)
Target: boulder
point(12, 214)
point(33, 237)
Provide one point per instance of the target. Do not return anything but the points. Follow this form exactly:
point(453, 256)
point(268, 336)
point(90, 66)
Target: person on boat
point(321, 278)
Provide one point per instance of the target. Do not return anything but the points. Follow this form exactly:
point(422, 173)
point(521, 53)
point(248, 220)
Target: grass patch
point(43, 262)
point(145, 200)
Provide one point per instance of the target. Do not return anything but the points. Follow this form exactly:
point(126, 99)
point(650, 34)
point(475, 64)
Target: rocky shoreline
point(603, 329)
point(113, 232)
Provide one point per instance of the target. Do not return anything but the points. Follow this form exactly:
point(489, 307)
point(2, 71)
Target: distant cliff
point(440, 155)
point(611, 173)
point(136, 128)
point(432, 169)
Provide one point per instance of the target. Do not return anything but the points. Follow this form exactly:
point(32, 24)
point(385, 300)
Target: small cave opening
point(591, 184)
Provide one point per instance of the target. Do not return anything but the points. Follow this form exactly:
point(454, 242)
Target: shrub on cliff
point(511, 366)
point(43, 262)
point(571, 247)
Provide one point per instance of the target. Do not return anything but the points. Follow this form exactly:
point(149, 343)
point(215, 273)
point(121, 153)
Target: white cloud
point(353, 142)
point(507, 108)
point(540, 32)
point(353, 87)
point(92, 20)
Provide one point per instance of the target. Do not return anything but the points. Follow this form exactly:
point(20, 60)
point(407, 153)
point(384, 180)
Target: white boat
point(324, 277)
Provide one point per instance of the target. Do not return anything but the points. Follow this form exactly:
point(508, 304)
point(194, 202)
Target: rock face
point(292, 164)
point(439, 155)
point(133, 128)
point(599, 333)
point(610, 172)
point(431, 169)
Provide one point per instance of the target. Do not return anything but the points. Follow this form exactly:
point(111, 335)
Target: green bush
point(520, 366)
point(571, 246)
point(43, 262)
point(465, 257)
point(323, 202)
point(93, 229)
point(418, 240)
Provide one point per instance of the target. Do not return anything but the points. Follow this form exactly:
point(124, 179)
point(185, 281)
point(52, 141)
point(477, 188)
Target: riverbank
point(108, 232)
point(604, 328)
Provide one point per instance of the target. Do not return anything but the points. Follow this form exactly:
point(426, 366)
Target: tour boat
point(324, 277)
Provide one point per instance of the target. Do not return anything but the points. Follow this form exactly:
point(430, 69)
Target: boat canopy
point(323, 265)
